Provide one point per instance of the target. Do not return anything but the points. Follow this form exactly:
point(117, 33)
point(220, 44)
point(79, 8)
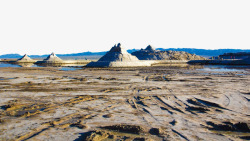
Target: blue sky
point(60, 26)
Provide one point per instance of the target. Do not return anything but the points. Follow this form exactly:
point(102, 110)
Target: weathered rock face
point(52, 58)
point(118, 57)
point(151, 54)
point(25, 58)
point(117, 53)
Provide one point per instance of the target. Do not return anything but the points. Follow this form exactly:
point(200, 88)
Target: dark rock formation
point(228, 126)
point(135, 129)
point(238, 55)
point(155, 131)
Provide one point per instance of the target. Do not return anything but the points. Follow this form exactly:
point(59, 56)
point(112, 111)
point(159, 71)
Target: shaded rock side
point(118, 57)
point(243, 62)
point(247, 60)
point(151, 54)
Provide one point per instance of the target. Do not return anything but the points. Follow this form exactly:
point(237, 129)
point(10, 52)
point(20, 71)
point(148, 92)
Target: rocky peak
point(52, 54)
point(25, 57)
point(52, 57)
point(118, 49)
point(118, 53)
point(150, 48)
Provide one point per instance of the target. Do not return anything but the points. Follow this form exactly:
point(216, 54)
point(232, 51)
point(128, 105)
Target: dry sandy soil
point(153, 103)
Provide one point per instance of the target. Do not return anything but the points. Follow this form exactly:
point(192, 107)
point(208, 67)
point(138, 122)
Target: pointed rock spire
point(25, 58)
point(52, 58)
point(150, 48)
point(117, 53)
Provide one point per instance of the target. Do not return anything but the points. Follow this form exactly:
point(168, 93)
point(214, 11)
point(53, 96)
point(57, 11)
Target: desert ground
point(133, 104)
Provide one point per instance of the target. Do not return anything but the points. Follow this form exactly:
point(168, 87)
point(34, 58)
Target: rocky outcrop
point(118, 57)
point(228, 126)
point(25, 59)
point(117, 53)
point(53, 59)
point(151, 54)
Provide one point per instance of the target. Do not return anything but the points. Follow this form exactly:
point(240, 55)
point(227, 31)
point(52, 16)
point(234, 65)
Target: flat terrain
point(151, 103)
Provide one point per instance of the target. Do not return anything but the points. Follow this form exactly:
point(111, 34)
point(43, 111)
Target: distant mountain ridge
point(206, 52)
point(10, 56)
point(201, 52)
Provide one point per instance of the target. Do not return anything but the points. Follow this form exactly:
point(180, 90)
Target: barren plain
point(148, 103)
